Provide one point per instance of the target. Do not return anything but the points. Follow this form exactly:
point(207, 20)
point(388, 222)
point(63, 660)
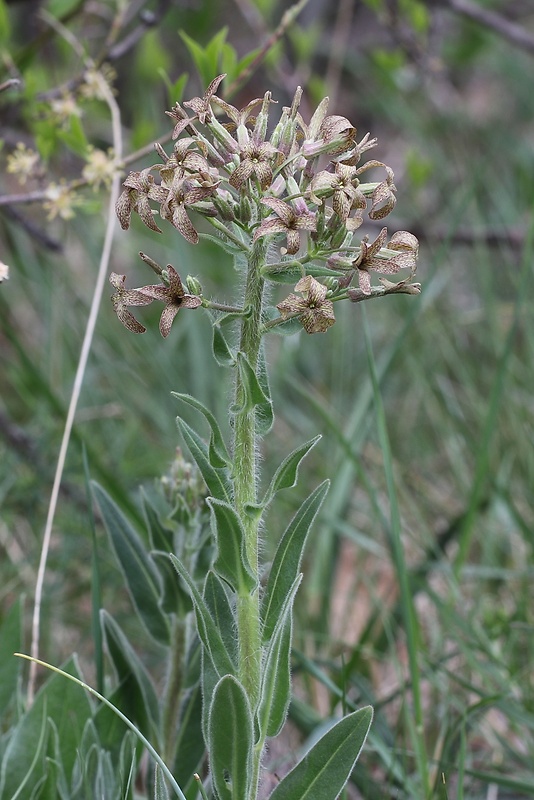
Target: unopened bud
point(193, 285)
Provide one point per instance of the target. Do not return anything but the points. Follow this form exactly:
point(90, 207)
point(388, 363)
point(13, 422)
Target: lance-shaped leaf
point(231, 562)
point(222, 352)
point(140, 573)
point(276, 678)
point(10, 642)
point(286, 475)
point(326, 768)
point(207, 629)
point(160, 787)
point(264, 411)
point(253, 391)
point(218, 454)
point(216, 600)
point(216, 479)
point(230, 740)
point(189, 745)
point(286, 563)
point(136, 683)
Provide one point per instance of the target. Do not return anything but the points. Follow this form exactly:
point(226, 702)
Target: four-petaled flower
point(342, 184)
point(176, 201)
point(399, 253)
point(314, 311)
point(123, 298)
point(255, 160)
point(139, 187)
point(287, 220)
point(174, 298)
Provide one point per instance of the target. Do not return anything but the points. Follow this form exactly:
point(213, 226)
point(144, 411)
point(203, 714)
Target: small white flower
point(4, 272)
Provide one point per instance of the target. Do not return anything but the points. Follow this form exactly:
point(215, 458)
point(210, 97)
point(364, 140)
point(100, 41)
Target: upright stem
point(245, 483)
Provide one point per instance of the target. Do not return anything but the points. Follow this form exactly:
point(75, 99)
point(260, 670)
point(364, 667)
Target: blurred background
point(447, 89)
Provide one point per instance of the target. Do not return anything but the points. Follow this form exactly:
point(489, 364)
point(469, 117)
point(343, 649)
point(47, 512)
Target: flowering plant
point(287, 205)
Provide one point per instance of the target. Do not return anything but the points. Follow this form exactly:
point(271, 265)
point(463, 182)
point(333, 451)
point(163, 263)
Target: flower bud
point(193, 285)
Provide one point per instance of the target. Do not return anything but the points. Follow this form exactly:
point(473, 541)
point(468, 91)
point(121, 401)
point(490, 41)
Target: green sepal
point(215, 478)
point(275, 693)
point(286, 563)
point(230, 740)
point(286, 475)
point(231, 563)
point(135, 683)
point(218, 454)
point(140, 574)
point(222, 352)
point(207, 629)
point(325, 769)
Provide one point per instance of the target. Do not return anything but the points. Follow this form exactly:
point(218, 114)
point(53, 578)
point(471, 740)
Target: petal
point(181, 222)
point(129, 321)
point(281, 209)
point(167, 317)
point(293, 242)
point(123, 209)
point(240, 175)
point(269, 226)
point(364, 280)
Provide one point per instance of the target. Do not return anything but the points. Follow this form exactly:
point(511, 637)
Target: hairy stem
point(245, 484)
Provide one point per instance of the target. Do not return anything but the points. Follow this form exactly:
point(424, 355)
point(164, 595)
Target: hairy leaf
point(276, 674)
point(324, 770)
point(140, 573)
point(218, 454)
point(231, 562)
point(207, 629)
point(216, 479)
point(286, 563)
point(230, 740)
point(286, 475)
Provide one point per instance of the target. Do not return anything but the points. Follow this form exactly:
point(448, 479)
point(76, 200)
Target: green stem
point(245, 486)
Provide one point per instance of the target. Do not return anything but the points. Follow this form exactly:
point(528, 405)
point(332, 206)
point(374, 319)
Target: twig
point(496, 22)
point(11, 83)
point(287, 19)
point(340, 39)
point(37, 233)
point(78, 380)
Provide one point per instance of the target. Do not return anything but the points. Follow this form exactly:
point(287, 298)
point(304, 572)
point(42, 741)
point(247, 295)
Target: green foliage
point(230, 740)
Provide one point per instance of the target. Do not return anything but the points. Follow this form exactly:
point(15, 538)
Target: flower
point(400, 253)
point(61, 201)
point(342, 184)
point(201, 105)
point(4, 272)
point(138, 188)
point(174, 298)
point(100, 167)
point(255, 160)
point(123, 298)
point(24, 163)
point(314, 311)
point(286, 220)
point(173, 209)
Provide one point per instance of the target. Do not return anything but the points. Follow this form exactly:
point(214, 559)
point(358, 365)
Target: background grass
point(418, 582)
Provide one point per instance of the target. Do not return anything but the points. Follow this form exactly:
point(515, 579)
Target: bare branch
point(516, 34)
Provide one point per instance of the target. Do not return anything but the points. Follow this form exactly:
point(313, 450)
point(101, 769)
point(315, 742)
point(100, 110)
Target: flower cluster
point(301, 185)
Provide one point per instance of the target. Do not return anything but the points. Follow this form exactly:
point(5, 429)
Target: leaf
point(189, 746)
point(216, 479)
point(230, 740)
point(231, 562)
point(276, 673)
point(218, 454)
point(286, 475)
point(325, 769)
point(68, 708)
point(254, 394)
point(160, 787)
point(207, 630)
point(27, 737)
point(10, 642)
point(174, 600)
point(286, 563)
point(264, 410)
point(222, 352)
point(142, 700)
point(140, 574)
point(216, 599)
